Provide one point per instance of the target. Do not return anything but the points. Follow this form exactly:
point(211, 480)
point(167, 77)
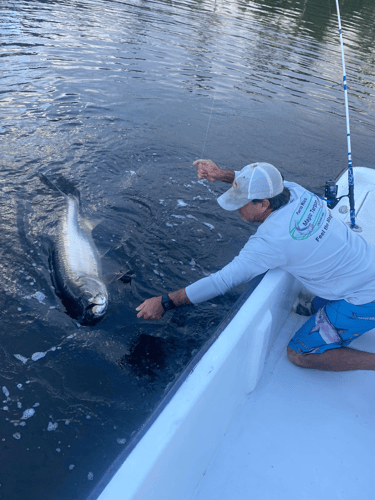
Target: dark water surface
point(121, 97)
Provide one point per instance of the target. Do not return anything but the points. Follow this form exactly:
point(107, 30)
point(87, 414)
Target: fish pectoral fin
point(88, 224)
point(125, 277)
point(120, 275)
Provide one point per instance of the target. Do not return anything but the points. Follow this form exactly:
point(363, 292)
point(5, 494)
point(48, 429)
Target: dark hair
point(277, 201)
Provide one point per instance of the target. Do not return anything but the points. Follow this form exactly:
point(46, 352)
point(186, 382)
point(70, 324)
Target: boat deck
point(300, 435)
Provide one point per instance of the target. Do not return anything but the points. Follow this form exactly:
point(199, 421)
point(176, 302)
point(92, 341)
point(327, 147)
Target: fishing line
point(212, 107)
point(350, 167)
point(209, 121)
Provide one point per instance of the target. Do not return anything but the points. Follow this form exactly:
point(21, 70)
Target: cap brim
point(231, 201)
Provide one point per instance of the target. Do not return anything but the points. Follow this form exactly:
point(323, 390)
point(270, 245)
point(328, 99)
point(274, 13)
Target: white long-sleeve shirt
point(307, 240)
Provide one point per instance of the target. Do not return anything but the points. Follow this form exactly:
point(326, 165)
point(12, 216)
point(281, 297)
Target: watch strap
point(167, 303)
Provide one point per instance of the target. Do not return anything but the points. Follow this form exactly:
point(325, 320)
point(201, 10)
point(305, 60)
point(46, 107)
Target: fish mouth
point(99, 310)
point(97, 306)
point(92, 314)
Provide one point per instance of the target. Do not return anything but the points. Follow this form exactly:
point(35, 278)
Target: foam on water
point(38, 355)
point(39, 296)
point(28, 414)
point(41, 354)
point(21, 358)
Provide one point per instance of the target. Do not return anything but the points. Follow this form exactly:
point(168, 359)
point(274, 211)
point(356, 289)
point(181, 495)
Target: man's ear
point(266, 204)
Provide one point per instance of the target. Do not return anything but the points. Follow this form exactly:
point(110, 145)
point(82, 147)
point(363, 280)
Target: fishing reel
point(330, 194)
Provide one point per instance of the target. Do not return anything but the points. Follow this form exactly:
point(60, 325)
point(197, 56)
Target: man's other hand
point(208, 170)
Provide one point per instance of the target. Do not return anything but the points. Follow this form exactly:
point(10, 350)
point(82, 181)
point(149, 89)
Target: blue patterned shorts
point(334, 325)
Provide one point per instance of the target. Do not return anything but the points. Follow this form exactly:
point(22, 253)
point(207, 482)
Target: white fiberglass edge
point(170, 460)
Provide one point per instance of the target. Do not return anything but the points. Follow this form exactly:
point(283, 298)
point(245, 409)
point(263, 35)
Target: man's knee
point(298, 358)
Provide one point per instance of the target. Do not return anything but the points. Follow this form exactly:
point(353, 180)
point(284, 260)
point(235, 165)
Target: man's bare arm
point(179, 298)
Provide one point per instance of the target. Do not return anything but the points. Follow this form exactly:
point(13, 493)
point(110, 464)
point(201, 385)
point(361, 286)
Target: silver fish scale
point(77, 250)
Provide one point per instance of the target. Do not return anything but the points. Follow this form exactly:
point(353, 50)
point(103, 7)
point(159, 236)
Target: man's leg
point(337, 360)
point(322, 342)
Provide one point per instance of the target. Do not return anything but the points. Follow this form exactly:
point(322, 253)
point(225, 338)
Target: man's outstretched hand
point(151, 309)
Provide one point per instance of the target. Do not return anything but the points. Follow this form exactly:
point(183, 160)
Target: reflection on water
point(120, 98)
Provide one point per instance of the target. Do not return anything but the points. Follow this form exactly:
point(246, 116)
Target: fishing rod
point(331, 188)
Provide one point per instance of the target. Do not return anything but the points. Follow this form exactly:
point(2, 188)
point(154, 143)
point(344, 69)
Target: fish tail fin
point(61, 185)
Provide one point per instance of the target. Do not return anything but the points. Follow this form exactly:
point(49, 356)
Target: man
point(297, 233)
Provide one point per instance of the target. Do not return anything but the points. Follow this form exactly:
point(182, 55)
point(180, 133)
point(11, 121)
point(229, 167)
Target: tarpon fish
point(76, 267)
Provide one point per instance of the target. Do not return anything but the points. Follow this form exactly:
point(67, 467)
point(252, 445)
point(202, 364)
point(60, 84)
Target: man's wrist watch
point(167, 303)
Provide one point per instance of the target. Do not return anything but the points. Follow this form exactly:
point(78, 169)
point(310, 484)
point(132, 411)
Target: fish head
point(94, 298)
